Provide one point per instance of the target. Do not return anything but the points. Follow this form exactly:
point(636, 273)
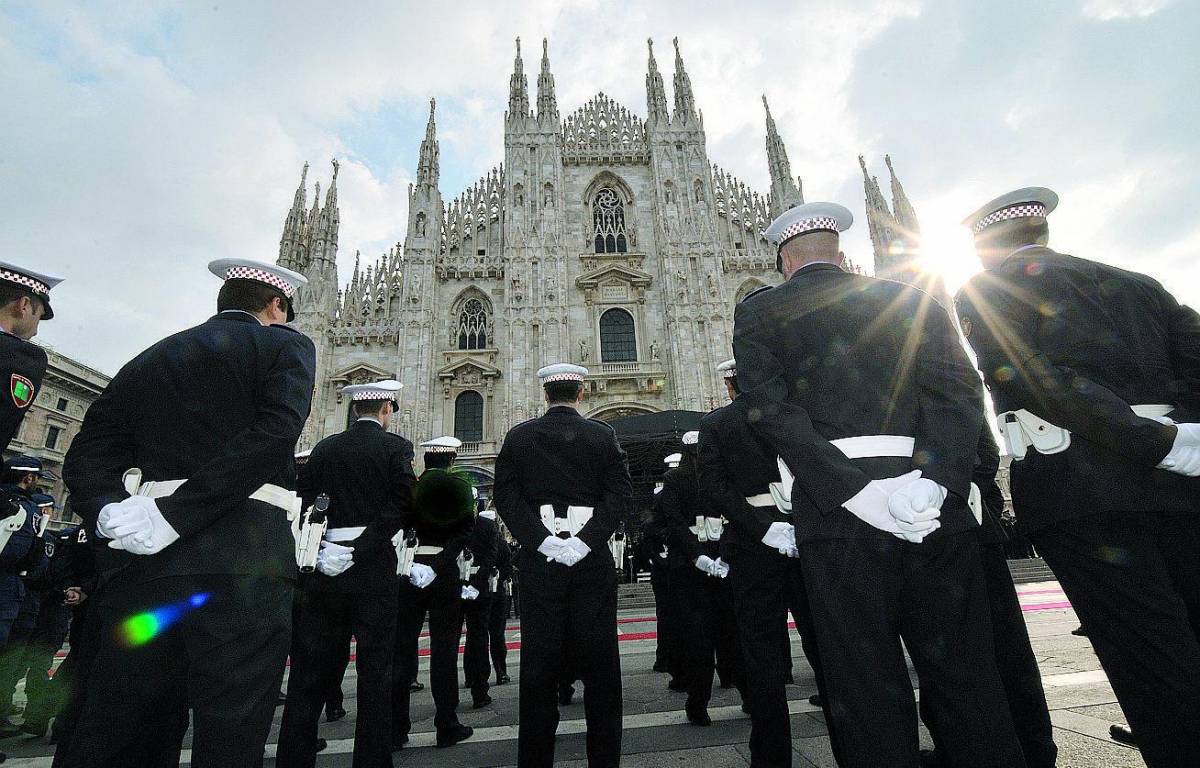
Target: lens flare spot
point(1005, 373)
point(1034, 268)
point(140, 629)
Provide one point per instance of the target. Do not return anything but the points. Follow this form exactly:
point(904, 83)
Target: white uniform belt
point(344, 534)
point(271, 494)
point(761, 500)
point(427, 549)
point(875, 446)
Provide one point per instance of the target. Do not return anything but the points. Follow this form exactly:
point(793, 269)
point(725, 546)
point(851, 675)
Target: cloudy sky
point(141, 142)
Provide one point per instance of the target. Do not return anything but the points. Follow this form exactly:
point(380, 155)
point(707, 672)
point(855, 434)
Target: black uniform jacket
point(220, 405)
point(25, 550)
point(987, 465)
point(562, 458)
point(1076, 343)
point(734, 465)
point(504, 559)
point(679, 503)
point(482, 544)
point(22, 366)
point(367, 473)
point(829, 354)
point(443, 515)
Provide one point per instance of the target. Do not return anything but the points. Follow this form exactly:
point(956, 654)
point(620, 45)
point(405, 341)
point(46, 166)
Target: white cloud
point(1111, 10)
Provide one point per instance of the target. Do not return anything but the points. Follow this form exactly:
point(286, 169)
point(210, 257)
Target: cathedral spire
point(785, 192)
point(290, 254)
point(518, 89)
point(685, 102)
point(547, 104)
point(331, 195)
point(427, 164)
point(656, 94)
point(906, 215)
point(299, 200)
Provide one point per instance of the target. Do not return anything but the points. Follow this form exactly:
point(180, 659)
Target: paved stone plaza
point(656, 731)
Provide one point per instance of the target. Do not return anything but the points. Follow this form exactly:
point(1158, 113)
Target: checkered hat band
point(37, 286)
point(1014, 212)
point(730, 373)
point(808, 225)
point(262, 276)
point(562, 377)
point(440, 449)
point(376, 395)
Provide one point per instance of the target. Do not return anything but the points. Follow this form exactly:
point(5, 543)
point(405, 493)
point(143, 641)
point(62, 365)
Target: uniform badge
point(21, 390)
point(965, 322)
point(49, 549)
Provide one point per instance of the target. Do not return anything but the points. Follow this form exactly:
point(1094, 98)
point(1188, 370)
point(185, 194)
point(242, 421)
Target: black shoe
point(454, 734)
point(699, 717)
point(502, 679)
point(1078, 632)
point(416, 686)
point(8, 730)
point(789, 679)
point(660, 666)
point(678, 686)
point(35, 727)
point(929, 759)
point(566, 698)
point(334, 713)
point(1122, 735)
point(726, 684)
point(481, 701)
point(399, 740)
point(745, 708)
point(321, 744)
point(816, 700)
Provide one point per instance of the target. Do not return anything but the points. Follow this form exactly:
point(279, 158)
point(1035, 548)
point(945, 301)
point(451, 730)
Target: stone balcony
point(479, 448)
point(643, 377)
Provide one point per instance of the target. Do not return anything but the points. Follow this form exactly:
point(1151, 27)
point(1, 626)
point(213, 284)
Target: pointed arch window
point(618, 341)
point(472, 325)
point(468, 416)
point(608, 219)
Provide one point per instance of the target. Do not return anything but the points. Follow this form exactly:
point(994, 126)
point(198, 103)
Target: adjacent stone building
point(605, 239)
point(54, 418)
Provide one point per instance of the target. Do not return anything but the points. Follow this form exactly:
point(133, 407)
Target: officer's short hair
point(10, 293)
point(562, 391)
point(1018, 232)
point(368, 407)
point(439, 459)
point(732, 380)
point(247, 295)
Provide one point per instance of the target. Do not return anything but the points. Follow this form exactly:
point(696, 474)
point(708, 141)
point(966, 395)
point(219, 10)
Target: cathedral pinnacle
point(785, 192)
point(906, 215)
point(518, 89)
point(685, 102)
point(301, 191)
point(427, 163)
point(656, 94)
point(547, 104)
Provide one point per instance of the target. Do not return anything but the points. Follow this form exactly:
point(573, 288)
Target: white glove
point(1183, 459)
point(139, 527)
point(915, 509)
point(551, 547)
point(782, 536)
point(469, 593)
point(720, 569)
point(333, 559)
point(577, 544)
point(421, 575)
point(871, 503)
point(705, 563)
point(121, 514)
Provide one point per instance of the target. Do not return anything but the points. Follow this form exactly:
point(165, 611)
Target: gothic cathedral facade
point(604, 239)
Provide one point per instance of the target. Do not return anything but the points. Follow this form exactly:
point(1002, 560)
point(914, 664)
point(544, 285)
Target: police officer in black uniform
point(366, 473)
point(736, 474)
point(1095, 371)
point(694, 530)
point(562, 487)
point(498, 612)
point(198, 571)
point(442, 517)
point(24, 302)
point(477, 668)
point(21, 550)
point(862, 389)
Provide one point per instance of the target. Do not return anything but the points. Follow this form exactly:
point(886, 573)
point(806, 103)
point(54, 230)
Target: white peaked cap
point(1020, 203)
point(809, 217)
point(281, 278)
point(379, 390)
point(562, 372)
point(443, 444)
point(728, 369)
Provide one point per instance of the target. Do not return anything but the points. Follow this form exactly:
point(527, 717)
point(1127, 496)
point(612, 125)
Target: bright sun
point(947, 249)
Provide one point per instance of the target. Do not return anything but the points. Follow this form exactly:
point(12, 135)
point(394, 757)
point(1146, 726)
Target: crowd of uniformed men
point(850, 482)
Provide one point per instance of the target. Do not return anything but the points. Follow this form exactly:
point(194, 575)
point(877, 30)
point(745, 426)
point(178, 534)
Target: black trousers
point(672, 619)
point(710, 626)
point(1134, 580)
point(442, 600)
point(868, 594)
point(659, 584)
point(497, 622)
point(327, 621)
point(1019, 673)
point(217, 643)
point(569, 623)
point(477, 665)
point(43, 692)
point(762, 587)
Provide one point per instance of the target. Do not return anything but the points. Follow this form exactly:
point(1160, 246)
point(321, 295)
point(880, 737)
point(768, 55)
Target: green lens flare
point(141, 629)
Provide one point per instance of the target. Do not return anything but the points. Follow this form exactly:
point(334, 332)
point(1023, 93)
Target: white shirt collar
point(370, 418)
point(244, 312)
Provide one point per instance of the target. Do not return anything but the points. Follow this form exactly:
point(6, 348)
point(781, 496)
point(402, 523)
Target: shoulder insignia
point(49, 547)
point(81, 537)
point(21, 389)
